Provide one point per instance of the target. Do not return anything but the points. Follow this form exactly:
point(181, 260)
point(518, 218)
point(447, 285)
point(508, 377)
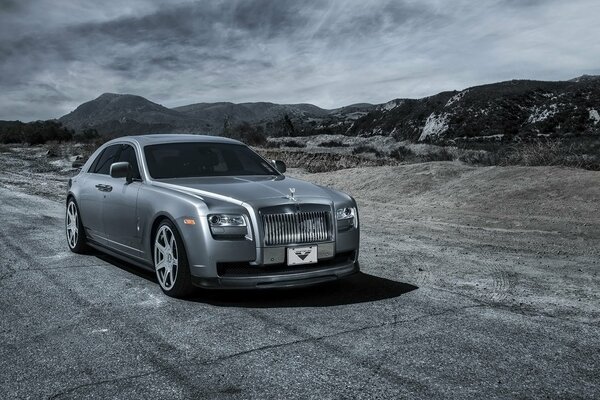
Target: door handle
point(104, 188)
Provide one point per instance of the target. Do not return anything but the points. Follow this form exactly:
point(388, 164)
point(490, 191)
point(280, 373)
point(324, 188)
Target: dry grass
point(550, 153)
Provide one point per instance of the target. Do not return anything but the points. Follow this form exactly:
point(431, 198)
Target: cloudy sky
point(56, 54)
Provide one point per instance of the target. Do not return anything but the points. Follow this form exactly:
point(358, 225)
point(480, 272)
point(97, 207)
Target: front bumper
point(245, 276)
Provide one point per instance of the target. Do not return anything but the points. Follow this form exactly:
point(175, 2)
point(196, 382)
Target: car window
point(128, 154)
point(104, 161)
point(183, 160)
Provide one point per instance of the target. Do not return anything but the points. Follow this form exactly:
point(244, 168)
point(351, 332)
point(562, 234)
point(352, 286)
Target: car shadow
point(357, 288)
point(126, 266)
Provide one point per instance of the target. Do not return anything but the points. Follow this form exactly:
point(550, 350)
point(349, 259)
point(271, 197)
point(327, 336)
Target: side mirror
point(121, 170)
point(279, 166)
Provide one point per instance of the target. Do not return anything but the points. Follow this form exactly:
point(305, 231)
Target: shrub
point(440, 155)
point(479, 158)
point(38, 132)
point(294, 143)
point(53, 151)
point(366, 149)
point(251, 135)
point(402, 153)
point(332, 143)
point(270, 144)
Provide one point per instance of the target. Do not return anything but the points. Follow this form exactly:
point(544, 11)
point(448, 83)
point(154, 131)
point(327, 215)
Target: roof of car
point(145, 140)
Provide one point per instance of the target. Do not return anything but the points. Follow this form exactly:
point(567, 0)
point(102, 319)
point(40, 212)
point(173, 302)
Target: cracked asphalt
point(449, 305)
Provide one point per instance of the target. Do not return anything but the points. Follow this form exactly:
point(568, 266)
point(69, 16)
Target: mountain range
point(498, 111)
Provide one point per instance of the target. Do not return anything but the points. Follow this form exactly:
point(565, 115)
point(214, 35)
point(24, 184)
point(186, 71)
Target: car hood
point(251, 188)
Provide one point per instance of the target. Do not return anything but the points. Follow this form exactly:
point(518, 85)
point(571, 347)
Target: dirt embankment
point(523, 237)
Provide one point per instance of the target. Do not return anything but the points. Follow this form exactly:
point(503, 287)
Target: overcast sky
point(56, 54)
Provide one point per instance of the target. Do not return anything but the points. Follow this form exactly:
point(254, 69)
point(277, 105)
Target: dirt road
point(476, 283)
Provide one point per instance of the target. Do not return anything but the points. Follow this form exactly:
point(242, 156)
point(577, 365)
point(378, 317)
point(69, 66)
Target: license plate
point(302, 255)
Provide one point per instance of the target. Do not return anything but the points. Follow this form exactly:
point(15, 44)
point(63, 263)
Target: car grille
point(294, 228)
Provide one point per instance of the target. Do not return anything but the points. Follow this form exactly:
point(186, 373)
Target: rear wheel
point(74, 229)
point(170, 261)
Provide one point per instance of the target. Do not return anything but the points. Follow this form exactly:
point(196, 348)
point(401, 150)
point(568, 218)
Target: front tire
point(170, 261)
point(74, 229)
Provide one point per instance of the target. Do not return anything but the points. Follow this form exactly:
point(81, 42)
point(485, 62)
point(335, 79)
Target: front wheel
point(170, 261)
point(74, 229)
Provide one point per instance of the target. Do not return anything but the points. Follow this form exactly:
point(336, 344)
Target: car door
point(120, 214)
point(93, 191)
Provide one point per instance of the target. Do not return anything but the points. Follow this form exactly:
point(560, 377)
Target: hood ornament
point(292, 194)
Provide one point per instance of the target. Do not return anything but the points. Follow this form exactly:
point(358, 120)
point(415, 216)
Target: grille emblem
point(302, 254)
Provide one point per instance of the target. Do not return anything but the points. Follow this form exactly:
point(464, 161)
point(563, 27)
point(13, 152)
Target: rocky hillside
point(505, 111)
point(518, 109)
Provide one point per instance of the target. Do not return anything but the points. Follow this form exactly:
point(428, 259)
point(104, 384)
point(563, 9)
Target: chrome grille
point(302, 227)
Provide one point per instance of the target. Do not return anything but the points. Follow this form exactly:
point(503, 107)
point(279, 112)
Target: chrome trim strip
point(120, 244)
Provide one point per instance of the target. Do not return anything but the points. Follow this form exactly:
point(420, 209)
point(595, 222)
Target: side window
point(128, 154)
point(102, 165)
point(93, 166)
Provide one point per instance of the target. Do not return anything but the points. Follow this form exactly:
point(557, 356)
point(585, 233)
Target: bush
point(38, 132)
point(251, 135)
point(479, 158)
point(332, 143)
point(294, 143)
point(53, 151)
point(402, 153)
point(270, 144)
point(440, 155)
point(366, 149)
point(87, 136)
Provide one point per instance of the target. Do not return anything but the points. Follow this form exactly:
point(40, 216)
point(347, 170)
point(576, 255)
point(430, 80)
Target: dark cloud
point(329, 53)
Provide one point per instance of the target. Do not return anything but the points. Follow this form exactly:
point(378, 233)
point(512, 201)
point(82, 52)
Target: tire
point(74, 229)
point(170, 261)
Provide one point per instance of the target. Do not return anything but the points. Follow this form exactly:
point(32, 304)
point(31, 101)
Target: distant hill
point(129, 114)
point(500, 111)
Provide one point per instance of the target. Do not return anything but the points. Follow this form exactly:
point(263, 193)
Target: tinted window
point(128, 154)
point(102, 165)
point(182, 160)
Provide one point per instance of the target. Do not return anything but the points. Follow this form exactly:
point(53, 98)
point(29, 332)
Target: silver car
point(204, 211)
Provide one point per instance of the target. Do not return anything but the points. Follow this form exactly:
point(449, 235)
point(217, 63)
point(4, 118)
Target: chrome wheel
point(166, 257)
point(72, 225)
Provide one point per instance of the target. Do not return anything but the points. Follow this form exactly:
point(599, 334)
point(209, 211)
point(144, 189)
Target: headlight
point(226, 220)
point(346, 218)
point(229, 226)
point(345, 213)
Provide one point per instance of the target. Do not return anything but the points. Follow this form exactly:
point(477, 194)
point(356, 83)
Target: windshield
point(196, 159)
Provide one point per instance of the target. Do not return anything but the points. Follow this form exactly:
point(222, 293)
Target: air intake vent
point(302, 227)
